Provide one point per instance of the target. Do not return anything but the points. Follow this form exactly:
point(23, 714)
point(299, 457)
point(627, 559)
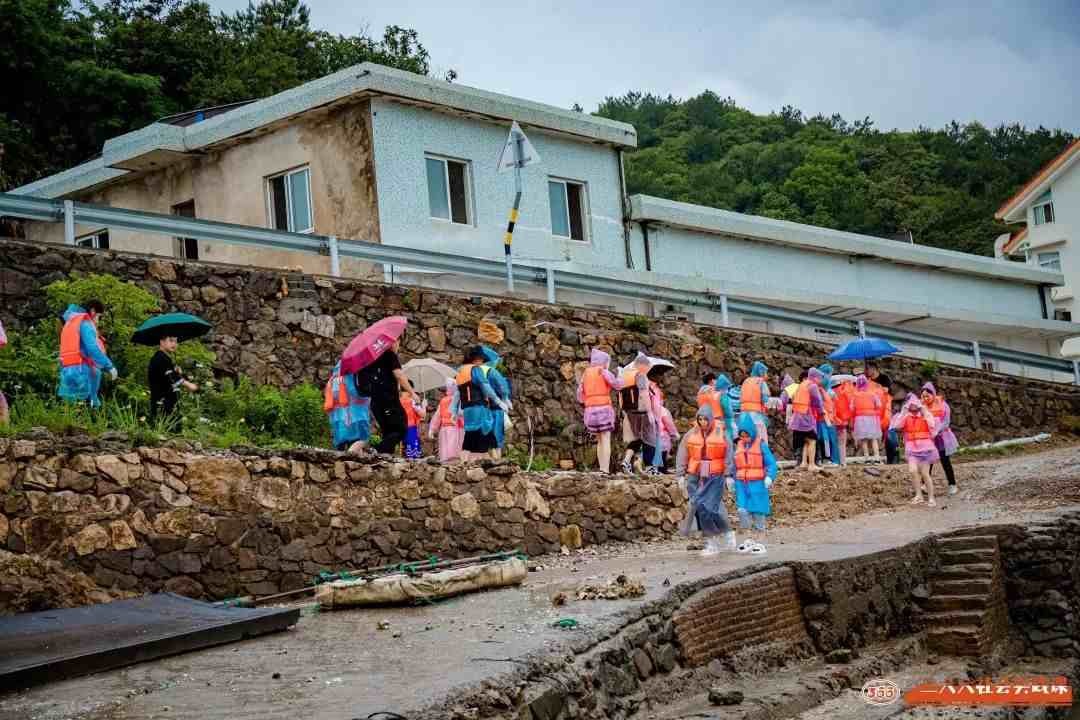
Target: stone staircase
point(966, 613)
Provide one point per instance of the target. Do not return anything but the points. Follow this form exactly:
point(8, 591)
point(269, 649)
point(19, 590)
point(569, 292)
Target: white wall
point(402, 136)
point(1063, 236)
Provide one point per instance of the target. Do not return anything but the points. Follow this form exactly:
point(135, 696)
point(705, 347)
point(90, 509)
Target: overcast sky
point(904, 63)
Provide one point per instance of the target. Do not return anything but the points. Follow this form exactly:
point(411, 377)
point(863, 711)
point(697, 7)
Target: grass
point(637, 323)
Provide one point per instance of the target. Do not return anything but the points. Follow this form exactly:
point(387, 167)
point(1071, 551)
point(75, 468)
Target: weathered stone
point(436, 338)
point(321, 325)
point(408, 490)
point(642, 663)
point(161, 270)
point(570, 537)
point(5, 526)
point(37, 476)
point(121, 536)
point(23, 449)
point(654, 516)
point(273, 493)
point(504, 500)
point(318, 474)
point(114, 468)
point(840, 656)
point(229, 530)
point(71, 480)
point(664, 657)
point(185, 586)
point(171, 497)
point(616, 680)
point(65, 501)
point(219, 482)
point(720, 696)
point(466, 506)
point(490, 333)
point(475, 474)
point(536, 504)
point(90, 539)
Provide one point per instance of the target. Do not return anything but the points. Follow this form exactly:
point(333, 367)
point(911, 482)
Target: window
point(1050, 261)
point(289, 198)
point(448, 189)
point(567, 201)
point(1043, 209)
point(186, 248)
point(98, 240)
point(1063, 315)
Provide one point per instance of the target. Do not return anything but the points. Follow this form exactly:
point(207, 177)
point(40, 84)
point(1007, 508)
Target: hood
point(929, 387)
point(814, 374)
point(451, 386)
point(642, 360)
point(788, 380)
point(825, 368)
point(491, 358)
point(912, 402)
point(746, 424)
point(599, 358)
point(73, 310)
point(862, 382)
point(723, 382)
point(758, 369)
point(705, 411)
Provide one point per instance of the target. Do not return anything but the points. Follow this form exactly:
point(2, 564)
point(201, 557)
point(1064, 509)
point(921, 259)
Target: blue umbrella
point(864, 349)
point(179, 325)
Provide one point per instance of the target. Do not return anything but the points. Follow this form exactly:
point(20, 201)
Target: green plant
point(520, 457)
point(28, 363)
point(928, 369)
point(637, 323)
point(719, 342)
point(558, 423)
point(303, 421)
point(408, 300)
point(520, 315)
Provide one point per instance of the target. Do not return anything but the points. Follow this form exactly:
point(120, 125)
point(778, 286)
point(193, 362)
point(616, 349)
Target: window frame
point(268, 180)
point(586, 228)
point(1054, 265)
point(1039, 210)
point(95, 240)
point(467, 183)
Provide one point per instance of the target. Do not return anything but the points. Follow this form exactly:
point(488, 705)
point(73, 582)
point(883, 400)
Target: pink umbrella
point(369, 345)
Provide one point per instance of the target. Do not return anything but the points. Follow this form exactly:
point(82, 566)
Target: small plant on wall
point(637, 323)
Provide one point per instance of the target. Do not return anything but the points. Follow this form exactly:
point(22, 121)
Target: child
point(414, 414)
point(755, 471)
point(705, 458)
point(845, 414)
point(806, 408)
point(594, 392)
point(945, 440)
point(669, 435)
point(348, 411)
point(919, 427)
point(866, 407)
point(449, 425)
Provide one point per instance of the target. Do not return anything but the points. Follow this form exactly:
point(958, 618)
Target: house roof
point(644, 208)
point(1012, 210)
point(1014, 241)
point(164, 142)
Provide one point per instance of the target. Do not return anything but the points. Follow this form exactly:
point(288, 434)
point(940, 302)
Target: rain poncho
point(723, 384)
point(481, 418)
point(641, 424)
point(81, 382)
point(501, 386)
point(806, 421)
point(752, 496)
point(922, 451)
point(706, 489)
point(599, 418)
point(349, 421)
point(830, 448)
point(945, 440)
point(447, 422)
point(759, 370)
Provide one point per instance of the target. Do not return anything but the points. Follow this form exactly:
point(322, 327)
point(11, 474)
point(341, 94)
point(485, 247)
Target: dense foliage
point(941, 185)
point(78, 74)
point(221, 414)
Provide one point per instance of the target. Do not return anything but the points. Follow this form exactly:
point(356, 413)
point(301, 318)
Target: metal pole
point(862, 329)
point(723, 311)
point(519, 159)
point(977, 354)
point(1076, 372)
point(335, 261)
point(550, 285)
point(69, 222)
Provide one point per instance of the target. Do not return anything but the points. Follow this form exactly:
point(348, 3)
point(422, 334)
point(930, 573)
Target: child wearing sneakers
point(755, 471)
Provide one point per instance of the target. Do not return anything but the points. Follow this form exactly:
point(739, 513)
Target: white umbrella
point(653, 362)
point(427, 374)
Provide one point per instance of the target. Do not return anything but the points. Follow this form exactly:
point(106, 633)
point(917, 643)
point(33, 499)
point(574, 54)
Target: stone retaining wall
point(227, 524)
point(284, 329)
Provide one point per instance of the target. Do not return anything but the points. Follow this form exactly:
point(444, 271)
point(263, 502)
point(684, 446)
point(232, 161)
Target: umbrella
point(654, 362)
point(178, 325)
point(427, 374)
point(864, 349)
point(838, 380)
point(368, 346)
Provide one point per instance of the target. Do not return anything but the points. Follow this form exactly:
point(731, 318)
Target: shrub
point(637, 323)
point(928, 369)
point(28, 363)
point(303, 420)
point(520, 315)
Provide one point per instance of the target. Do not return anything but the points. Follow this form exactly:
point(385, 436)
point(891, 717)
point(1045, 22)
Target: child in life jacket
point(415, 413)
point(449, 424)
point(705, 460)
point(919, 426)
point(594, 392)
point(755, 471)
point(866, 417)
point(945, 439)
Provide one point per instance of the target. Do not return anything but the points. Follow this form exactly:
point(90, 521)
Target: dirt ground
point(349, 664)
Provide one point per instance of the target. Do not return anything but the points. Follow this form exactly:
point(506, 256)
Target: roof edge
point(1047, 173)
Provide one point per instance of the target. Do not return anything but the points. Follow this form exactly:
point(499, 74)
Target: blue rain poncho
point(81, 382)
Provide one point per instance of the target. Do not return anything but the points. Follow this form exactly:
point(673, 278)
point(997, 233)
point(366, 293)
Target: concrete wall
point(403, 134)
point(1063, 236)
point(230, 185)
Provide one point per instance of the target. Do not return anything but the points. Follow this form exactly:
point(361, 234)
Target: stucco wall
point(230, 185)
point(403, 134)
point(1066, 225)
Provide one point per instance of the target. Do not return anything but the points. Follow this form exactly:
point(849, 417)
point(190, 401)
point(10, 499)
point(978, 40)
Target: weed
point(637, 323)
point(520, 315)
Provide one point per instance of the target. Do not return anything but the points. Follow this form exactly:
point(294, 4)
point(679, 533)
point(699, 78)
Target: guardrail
point(70, 212)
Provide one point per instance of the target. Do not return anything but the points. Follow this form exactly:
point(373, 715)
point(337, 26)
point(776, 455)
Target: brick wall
point(760, 609)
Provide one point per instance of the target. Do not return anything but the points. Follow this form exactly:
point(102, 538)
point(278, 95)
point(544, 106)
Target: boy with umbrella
point(163, 376)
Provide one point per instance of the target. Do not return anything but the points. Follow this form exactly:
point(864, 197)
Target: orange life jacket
point(711, 397)
point(864, 403)
point(829, 403)
point(937, 407)
point(886, 406)
point(597, 390)
point(845, 410)
point(801, 403)
point(70, 348)
point(749, 461)
point(335, 394)
point(750, 396)
point(916, 428)
point(446, 418)
point(471, 395)
point(412, 417)
point(712, 448)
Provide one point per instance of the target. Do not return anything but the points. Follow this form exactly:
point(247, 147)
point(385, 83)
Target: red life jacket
point(712, 448)
point(864, 403)
point(70, 347)
point(446, 418)
point(750, 396)
point(597, 390)
point(916, 428)
point(749, 461)
point(801, 403)
point(937, 407)
point(711, 397)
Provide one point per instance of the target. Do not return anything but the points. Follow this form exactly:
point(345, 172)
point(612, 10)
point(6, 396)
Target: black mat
point(54, 644)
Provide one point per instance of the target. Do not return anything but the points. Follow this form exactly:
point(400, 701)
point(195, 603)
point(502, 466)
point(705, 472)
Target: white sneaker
point(627, 467)
point(759, 549)
point(953, 490)
point(712, 547)
point(729, 543)
point(745, 547)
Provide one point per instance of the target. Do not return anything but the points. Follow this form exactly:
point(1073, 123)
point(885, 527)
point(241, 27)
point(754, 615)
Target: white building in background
point(1049, 207)
point(376, 155)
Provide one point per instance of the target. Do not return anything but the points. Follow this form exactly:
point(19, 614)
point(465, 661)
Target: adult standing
point(705, 458)
point(594, 392)
point(883, 384)
point(501, 386)
point(754, 396)
point(867, 412)
point(383, 381)
point(945, 440)
point(348, 411)
point(164, 379)
point(82, 354)
point(806, 408)
point(477, 399)
point(638, 406)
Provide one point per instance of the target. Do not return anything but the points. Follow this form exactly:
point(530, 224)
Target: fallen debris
point(719, 696)
point(621, 587)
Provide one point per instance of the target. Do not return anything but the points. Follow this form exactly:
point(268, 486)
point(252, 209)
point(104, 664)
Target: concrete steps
point(960, 613)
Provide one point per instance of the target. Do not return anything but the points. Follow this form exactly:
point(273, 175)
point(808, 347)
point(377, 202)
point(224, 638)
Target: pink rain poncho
point(449, 424)
point(866, 427)
point(919, 451)
point(945, 440)
point(599, 418)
